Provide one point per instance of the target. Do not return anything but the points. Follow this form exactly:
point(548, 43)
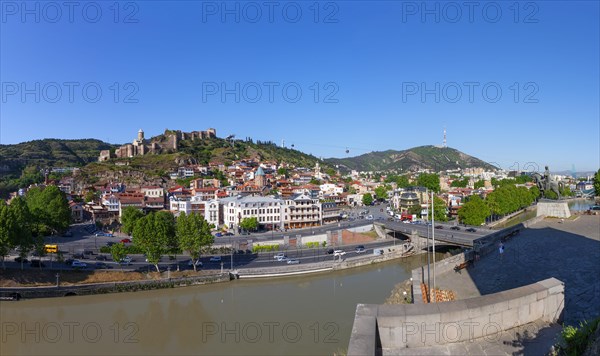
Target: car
point(88, 252)
point(197, 263)
point(101, 258)
point(406, 221)
point(109, 235)
point(455, 228)
point(69, 261)
point(360, 249)
point(102, 265)
point(37, 263)
point(218, 234)
point(228, 234)
point(21, 259)
point(79, 255)
point(78, 264)
point(293, 262)
point(439, 227)
point(126, 241)
point(215, 259)
point(125, 260)
point(279, 255)
point(330, 251)
point(337, 253)
point(471, 230)
point(370, 217)
point(282, 258)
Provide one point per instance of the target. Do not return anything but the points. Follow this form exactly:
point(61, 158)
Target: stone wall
point(398, 327)
point(554, 209)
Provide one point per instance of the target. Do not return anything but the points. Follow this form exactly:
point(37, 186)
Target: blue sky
point(371, 75)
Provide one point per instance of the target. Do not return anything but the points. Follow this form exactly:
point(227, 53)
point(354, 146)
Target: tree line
point(158, 234)
point(504, 200)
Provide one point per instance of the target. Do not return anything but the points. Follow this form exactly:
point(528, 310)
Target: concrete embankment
point(103, 288)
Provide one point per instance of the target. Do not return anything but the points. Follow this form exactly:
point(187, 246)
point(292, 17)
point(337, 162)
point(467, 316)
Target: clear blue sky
point(370, 60)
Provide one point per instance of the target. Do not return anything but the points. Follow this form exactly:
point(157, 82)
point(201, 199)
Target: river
point(309, 315)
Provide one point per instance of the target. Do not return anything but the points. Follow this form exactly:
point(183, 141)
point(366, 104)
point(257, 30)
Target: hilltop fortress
point(167, 142)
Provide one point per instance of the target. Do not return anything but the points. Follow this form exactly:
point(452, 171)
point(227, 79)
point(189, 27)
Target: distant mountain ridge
point(423, 157)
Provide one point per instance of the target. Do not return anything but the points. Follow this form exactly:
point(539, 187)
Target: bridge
point(445, 235)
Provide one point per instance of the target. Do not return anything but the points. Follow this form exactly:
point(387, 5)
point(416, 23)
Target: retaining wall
point(103, 288)
point(402, 326)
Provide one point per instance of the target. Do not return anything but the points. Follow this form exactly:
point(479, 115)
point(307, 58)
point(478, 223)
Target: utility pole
point(428, 255)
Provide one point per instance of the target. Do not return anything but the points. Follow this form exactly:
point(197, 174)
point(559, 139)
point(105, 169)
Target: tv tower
point(444, 144)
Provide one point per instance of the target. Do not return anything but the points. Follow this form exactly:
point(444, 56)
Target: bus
point(51, 248)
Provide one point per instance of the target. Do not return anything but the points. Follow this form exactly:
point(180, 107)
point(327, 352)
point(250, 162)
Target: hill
point(49, 153)
point(422, 157)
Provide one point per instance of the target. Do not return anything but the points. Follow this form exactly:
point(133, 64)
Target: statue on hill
point(545, 183)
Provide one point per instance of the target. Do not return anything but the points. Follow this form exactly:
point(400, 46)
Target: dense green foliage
point(575, 340)
point(429, 181)
point(401, 181)
point(154, 234)
point(193, 234)
point(129, 218)
point(440, 209)
point(367, 199)
point(474, 211)
point(597, 182)
point(118, 252)
point(249, 224)
point(460, 183)
point(49, 209)
point(381, 192)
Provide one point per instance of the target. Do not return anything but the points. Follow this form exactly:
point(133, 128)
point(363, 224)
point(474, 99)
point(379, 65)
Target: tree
point(440, 210)
point(460, 183)
point(415, 210)
point(193, 233)
point(283, 172)
point(474, 211)
point(479, 184)
point(89, 196)
point(401, 181)
point(151, 237)
point(21, 235)
point(118, 253)
point(129, 218)
point(597, 182)
point(381, 193)
point(429, 181)
point(367, 199)
point(49, 209)
point(6, 228)
point(315, 181)
point(249, 224)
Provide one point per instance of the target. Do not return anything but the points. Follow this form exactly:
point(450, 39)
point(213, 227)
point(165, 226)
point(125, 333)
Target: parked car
point(370, 217)
point(282, 258)
point(330, 251)
point(78, 264)
point(37, 263)
point(215, 259)
point(455, 228)
point(439, 227)
point(102, 265)
point(279, 255)
point(293, 262)
point(471, 230)
point(109, 235)
point(337, 253)
point(126, 260)
point(228, 234)
point(198, 263)
point(126, 241)
point(360, 249)
point(101, 258)
point(218, 234)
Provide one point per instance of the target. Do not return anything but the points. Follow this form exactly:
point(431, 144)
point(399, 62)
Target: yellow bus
point(51, 248)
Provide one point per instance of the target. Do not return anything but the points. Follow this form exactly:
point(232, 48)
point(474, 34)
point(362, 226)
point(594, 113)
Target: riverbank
point(17, 284)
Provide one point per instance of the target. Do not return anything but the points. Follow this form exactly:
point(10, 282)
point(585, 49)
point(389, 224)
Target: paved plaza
point(568, 251)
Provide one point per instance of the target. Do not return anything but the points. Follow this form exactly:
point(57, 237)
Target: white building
point(111, 202)
point(330, 189)
point(153, 191)
point(267, 210)
point(195, 205)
